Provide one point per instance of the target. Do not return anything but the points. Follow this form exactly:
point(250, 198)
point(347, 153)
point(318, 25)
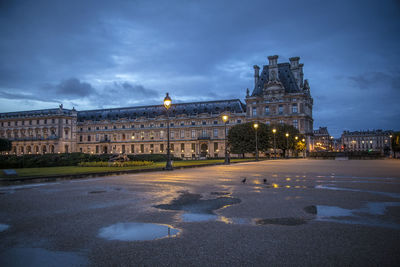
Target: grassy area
point(67, 170)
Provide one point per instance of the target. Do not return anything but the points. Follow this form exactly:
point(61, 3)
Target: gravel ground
point(308, 213)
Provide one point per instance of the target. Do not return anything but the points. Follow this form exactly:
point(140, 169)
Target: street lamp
point(390, 146)
point(167, 105)
point(287, 144)
point(305, 147)
point(255, 125)
point(225, 120)
point(274, 132)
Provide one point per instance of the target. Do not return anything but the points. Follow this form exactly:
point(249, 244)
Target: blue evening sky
point(98, 54)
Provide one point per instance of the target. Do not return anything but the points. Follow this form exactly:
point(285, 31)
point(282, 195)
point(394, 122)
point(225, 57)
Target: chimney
point(273, 68)
point(256, 74)
point(301, 83)
point(273, 61)
point(297, 70)
point(294, 62)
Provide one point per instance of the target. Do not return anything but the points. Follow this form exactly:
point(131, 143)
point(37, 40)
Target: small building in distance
point(375, 140)
point(322, 141)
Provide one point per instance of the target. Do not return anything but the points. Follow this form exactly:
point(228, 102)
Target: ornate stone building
point(377, 140)
point(280, 95)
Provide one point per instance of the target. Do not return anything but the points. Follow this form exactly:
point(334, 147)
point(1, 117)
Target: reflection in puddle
point(3, 227)
point(41, 257)
point(202, 217)
point(388, 194)
point(97, 191)
point(198, 217)
point(360, 216)
point(281, 221)
point(137, 231)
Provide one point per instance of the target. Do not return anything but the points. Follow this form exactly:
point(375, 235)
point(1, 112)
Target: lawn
point(68, 170)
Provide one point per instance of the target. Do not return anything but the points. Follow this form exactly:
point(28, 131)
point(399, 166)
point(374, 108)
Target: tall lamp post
point(274, 132)
point(305, 147)
point(227, 161)
point(255, 125)
point(287, 144)
point(167, 105)
point(295, 146)
point(391, 147)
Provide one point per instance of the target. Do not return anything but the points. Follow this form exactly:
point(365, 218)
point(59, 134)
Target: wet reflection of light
point(137, 231)
point(225, 220)
point(256, 182)
point(275, 185)
point(288, 186)
point(198, 217)
point(288, 179)
point(357, 216)
point(328, 187)
point(3, 227)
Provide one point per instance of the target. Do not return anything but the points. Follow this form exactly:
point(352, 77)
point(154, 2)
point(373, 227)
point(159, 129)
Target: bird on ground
point(265, 181)
point(244, 180)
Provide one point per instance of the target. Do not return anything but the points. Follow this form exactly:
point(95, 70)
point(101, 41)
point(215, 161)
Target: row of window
point(151, 148)
point(161, 125)
point(279, 100)
point(31, 122)
point(161, 134)
point(280, 110)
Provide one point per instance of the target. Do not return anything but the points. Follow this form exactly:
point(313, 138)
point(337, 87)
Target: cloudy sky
point(125, 53)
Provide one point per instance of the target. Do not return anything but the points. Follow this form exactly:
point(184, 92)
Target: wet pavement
point(288, 212)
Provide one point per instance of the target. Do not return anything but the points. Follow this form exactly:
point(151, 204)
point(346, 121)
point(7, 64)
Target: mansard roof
point(285, 77)
point(321, 131)
point(194, 108)
point(36, 113)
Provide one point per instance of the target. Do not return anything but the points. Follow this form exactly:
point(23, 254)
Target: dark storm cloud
point(133, 52)
point(74, 87)
point(373, 80)
point(137, 90)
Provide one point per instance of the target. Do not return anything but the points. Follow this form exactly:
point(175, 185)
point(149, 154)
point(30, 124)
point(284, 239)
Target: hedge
point(70, 159)
point(349, 154)
point(115, 164)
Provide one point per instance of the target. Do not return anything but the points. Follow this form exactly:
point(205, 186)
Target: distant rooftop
point(194, 108)
point(285, 77)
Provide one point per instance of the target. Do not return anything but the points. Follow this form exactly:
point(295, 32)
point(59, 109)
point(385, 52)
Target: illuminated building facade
point(377, 140)
point(280, 95)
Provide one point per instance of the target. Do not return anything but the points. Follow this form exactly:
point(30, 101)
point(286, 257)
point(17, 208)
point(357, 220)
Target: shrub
point(115, 164)
point(70, 159)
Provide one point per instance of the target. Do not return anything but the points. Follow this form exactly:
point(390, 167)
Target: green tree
point(395, 143)
point(282, 141)
point(241, 138)
point(5, 145)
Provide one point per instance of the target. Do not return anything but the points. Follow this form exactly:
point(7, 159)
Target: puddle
point(137, 231)
point(356, 182)
point(366, 215)
point(198, 209)
point(311, 209)
point(328, 187)
point(220, 193)
point(3, 227)
point(40, 257)
point(331, 211)
point(198, 217)
point(97, 192)
point(194, 204)
point(281, 221)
